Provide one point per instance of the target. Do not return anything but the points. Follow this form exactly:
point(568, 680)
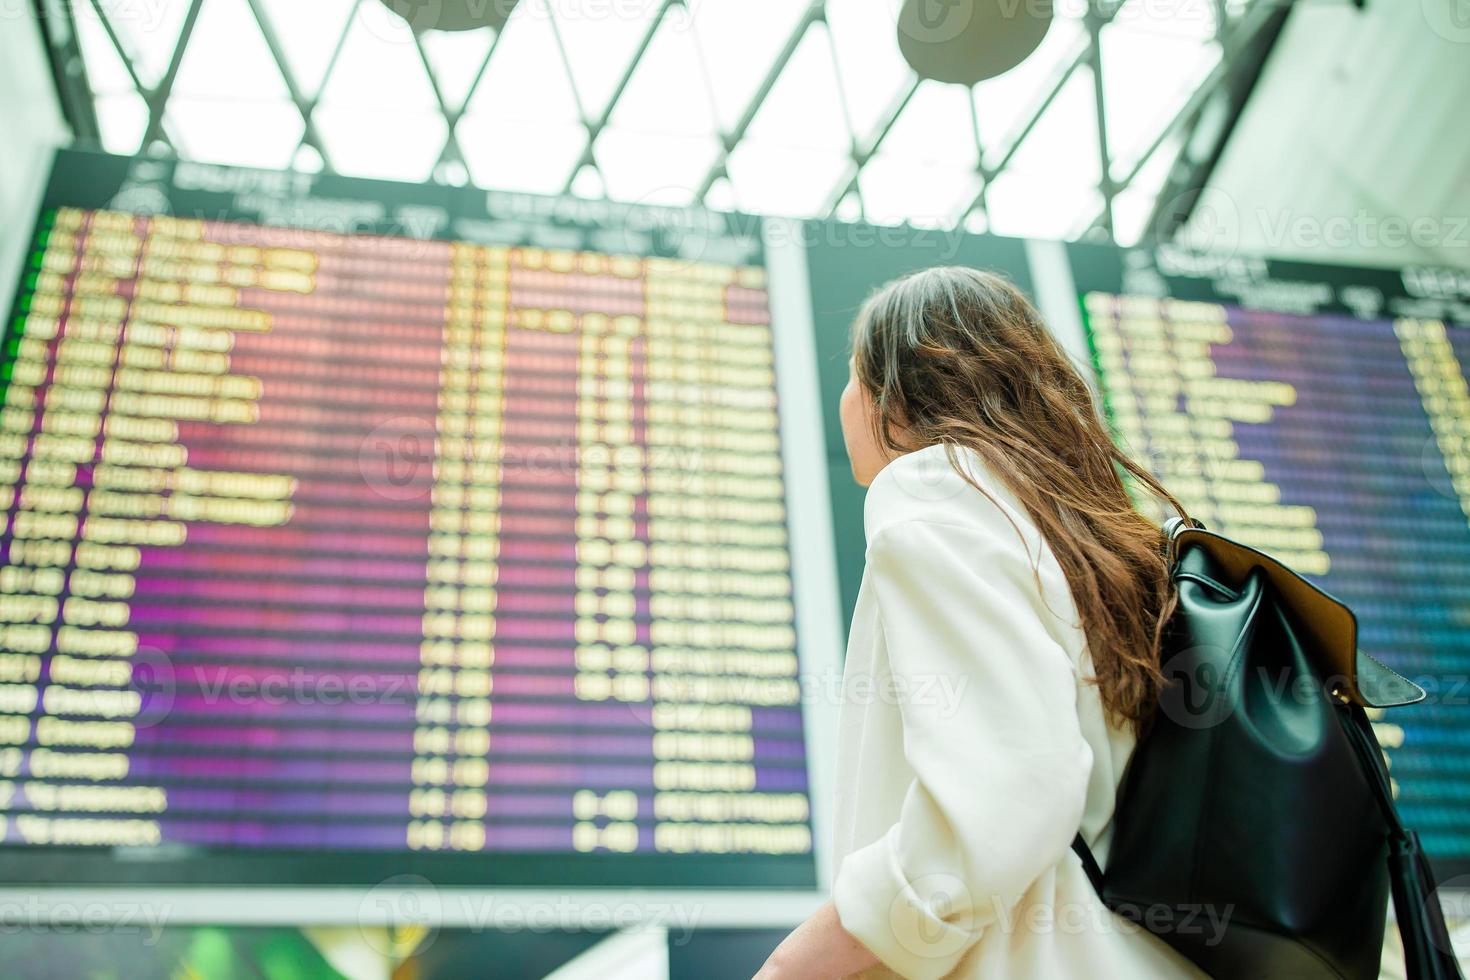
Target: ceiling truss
point(1245, 33)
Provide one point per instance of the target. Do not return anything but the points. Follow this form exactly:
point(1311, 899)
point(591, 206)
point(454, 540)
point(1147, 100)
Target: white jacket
point(972, 749)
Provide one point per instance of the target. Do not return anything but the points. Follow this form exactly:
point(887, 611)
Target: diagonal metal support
point(1088, 51)
point(308, 106)
point(862, 154)
point(122, 54)
point(816, 10)
point(1255, 31)
point(158, 99)
point(988, 174)
point(310, 136)
point(57, 26)
point(452, 151)
point(1093, 20)
point(595, 127)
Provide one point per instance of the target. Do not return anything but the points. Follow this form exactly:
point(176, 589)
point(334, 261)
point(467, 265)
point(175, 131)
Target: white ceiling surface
point(1356, 142)
point(527, 124)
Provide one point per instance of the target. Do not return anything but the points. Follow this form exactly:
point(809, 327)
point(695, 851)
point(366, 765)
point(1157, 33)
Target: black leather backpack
point(1255, 829)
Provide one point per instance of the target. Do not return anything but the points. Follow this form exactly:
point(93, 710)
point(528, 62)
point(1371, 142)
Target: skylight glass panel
point(1063, 144)
point(149, 33)
point(776, 178)
point(1134, 204)
point(525, 79)
point(122, 115)
point(457, 58)
point(1147, 78)
point(667, 93)
point(1005, 103)
point(805, 107)
point(740, 41)
point(379, 69)
point(872, 70)
point(601, 41)
point(935, 128)
point(521, 155)
point(307, 31)
point(1033, 206)
point(654, 168)
point(227, 63)
point(898, 189)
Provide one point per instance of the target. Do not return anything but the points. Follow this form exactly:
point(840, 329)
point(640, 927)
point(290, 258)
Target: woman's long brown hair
point(959, 357)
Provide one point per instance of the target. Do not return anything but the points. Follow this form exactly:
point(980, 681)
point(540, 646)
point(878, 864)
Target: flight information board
point(1320, 414)
point(444, 530)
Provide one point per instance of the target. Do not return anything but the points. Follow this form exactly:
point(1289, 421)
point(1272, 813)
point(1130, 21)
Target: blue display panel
point(1320, 414)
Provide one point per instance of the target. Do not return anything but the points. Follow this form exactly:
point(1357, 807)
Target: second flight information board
point(325, 545)
point(1320, 414)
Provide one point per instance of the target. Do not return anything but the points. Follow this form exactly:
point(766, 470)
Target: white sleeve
point(1001, 780)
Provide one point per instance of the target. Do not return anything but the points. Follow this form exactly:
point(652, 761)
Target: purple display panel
point(317, 541)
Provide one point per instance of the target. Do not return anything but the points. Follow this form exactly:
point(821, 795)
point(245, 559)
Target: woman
point(1003, 655)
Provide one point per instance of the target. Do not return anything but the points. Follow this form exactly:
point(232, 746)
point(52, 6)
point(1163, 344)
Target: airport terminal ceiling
point(764, 106)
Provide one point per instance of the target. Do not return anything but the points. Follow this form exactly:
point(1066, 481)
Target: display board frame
point(1293, 293)
point(209, 884)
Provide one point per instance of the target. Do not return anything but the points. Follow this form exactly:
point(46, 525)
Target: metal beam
point(862, 154)
point(68, 68)
point(987, 174)
point(1093, 20)
point(1247, 45)
point(595, 127)
point(158, 98)
point(307, 107)
point(816, 10)
point(309, 134)
point(451, 149)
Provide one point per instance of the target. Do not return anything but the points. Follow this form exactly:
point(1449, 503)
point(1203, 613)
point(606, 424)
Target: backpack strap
point(1089, 863)
point(1428, 949)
